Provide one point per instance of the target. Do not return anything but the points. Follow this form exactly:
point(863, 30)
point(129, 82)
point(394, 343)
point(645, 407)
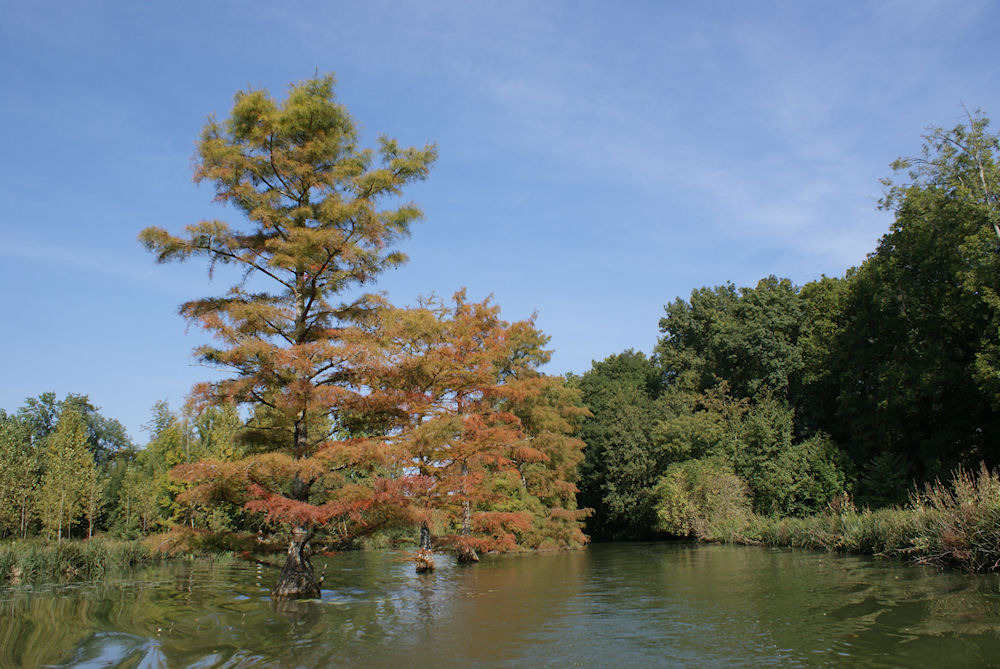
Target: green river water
point(623, 605)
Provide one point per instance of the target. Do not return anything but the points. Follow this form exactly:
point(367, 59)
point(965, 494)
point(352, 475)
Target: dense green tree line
point(865, 384)
point(54, 459)
point(68, 471)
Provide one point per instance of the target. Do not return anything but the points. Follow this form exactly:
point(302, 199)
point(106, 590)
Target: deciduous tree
point(484, 434)
point(20, 470)
point(319, 228)
point(68, 464)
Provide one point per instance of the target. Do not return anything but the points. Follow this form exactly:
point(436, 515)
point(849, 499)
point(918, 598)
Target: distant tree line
point(866, 384)
point(68, 471)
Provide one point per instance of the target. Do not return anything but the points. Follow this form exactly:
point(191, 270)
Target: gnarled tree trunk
point(424, 558)
point(297, 579)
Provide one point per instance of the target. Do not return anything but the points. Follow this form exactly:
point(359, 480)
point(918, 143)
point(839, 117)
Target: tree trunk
point(297, 579)
point(424, 558)
point(466, 553)
point(425, 537)
point(59, 536)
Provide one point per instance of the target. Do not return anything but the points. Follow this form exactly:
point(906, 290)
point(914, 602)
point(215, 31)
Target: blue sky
point(597, 159)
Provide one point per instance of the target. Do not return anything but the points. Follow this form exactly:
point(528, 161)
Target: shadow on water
point(624, 605)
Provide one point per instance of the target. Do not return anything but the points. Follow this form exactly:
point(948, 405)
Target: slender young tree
point(67, 463)
point(19, 476)
point(318, 231)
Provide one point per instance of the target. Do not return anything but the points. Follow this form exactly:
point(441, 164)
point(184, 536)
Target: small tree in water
point(287, 331)
point(483, 433)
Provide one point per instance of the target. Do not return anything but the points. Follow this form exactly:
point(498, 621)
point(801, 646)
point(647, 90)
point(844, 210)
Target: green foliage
point(691, 425)
point(908, 369)
point(963, 521)
point(69, 468)
point(549, 469)
point(785, 477)
point(105, 436)
point(643, 421)
point(703, 499)
point(20, 471)
point(884, 480)
point(746, 337)
point(151, 498)
point(955, 525)
point(867, 383)
point(35, 459)
point(823, 305)
point(621, 462)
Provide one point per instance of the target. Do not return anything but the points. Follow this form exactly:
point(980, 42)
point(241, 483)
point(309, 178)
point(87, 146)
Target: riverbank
point(28, 560)
point(38, 559)
point(954, 525)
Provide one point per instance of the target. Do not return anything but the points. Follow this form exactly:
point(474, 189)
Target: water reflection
point(635, 605)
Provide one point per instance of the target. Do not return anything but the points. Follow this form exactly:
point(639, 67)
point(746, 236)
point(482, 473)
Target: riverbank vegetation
point(954, 524)
point(26, 560)
point(844, 414)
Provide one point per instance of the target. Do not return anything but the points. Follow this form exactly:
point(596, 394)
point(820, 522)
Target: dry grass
point(954, 525)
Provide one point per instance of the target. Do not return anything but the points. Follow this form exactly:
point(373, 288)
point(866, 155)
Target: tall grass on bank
point(34, 560)
point(954, 525)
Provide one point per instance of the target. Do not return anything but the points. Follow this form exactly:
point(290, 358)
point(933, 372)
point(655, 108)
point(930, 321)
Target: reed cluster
point(35, 559)
point(954, 524)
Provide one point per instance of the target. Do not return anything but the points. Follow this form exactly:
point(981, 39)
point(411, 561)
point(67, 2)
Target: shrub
point(702, 498)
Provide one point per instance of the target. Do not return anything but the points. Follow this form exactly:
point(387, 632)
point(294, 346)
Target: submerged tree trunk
point(425, 537)
point(467, 554)
point(425, 557)
point(297, 579)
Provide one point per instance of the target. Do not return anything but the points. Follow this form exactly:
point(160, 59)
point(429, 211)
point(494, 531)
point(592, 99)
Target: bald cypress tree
point(322, 216)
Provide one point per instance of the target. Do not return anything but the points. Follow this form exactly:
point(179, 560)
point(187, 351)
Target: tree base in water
point(297, 579)
point(424, 561)
point(467, 555)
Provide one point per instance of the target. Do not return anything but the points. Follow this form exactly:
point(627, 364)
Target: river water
point(622, 605)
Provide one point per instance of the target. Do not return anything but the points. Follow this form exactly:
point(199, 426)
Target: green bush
point(703, 499)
